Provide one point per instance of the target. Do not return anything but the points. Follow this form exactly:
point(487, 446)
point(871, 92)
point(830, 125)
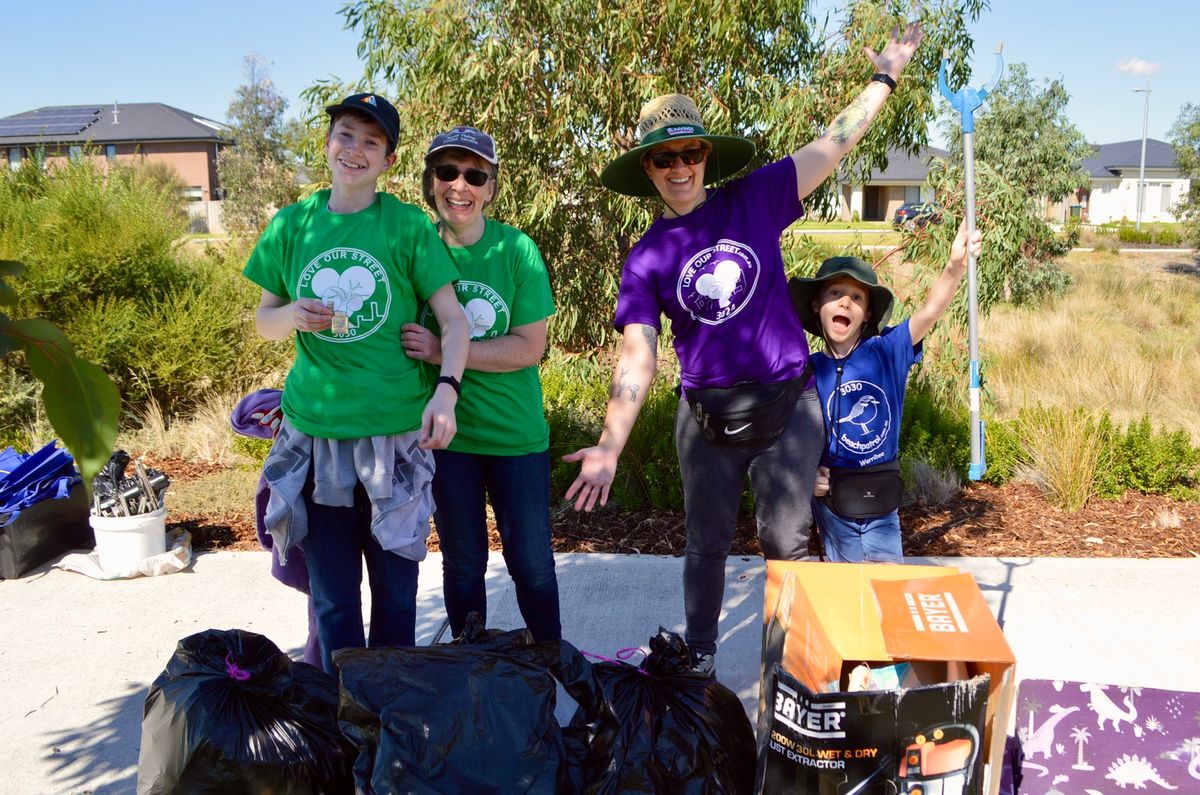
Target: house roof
point(136, 122)
point(903, 167)
point(1110, 160)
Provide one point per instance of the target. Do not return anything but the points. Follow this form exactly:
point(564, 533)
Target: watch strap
point(452, 381)
point(880, 77)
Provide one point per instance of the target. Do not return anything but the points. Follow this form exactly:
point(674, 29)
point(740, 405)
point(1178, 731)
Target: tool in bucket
point(965, 101)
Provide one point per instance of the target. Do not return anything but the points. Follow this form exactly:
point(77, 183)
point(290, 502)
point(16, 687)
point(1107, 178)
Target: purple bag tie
point(234, 672)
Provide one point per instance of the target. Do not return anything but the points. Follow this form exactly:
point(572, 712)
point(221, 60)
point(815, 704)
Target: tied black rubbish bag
point(232, 714)
point(678, 731)
point(473, 716)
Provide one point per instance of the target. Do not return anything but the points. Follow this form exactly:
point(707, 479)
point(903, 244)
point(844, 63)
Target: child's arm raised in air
point(943, 290)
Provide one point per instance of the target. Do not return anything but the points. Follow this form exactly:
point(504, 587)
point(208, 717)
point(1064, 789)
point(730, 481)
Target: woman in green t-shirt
point(501, 451)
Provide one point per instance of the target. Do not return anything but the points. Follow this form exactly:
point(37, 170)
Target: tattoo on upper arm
point(651, 337)
point(849, 121)
point(623, 385)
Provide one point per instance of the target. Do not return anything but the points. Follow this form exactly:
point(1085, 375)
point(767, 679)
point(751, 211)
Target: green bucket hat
point(804, 292)
point(674, 117)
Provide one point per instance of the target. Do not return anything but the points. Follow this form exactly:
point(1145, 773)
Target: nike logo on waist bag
point(729, 432)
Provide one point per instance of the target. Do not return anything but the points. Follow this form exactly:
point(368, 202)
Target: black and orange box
point(938, 728)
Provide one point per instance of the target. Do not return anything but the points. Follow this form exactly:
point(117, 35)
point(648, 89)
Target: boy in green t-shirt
point(351, 466)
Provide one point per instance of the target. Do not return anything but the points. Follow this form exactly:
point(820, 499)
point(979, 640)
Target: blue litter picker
point(965, 101)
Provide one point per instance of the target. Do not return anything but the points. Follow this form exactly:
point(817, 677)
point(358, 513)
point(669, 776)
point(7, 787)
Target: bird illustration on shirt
point(862, 413)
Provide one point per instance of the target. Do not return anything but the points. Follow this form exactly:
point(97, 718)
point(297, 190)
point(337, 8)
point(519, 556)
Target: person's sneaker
point(704, 663)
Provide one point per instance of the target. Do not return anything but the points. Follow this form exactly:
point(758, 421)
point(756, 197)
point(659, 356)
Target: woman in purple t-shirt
point(712, 264)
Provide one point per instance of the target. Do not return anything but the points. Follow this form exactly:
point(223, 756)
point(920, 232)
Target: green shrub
point(1002, 452)
point(253, 448)
point(18, 407)
point(933, 432)
point(1131, 234)
point(1163, 462)
point(1167, 236)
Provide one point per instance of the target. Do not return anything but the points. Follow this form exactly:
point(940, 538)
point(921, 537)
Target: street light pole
point(1141, 197)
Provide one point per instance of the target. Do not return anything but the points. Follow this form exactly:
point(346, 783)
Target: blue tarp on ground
point(26, 478)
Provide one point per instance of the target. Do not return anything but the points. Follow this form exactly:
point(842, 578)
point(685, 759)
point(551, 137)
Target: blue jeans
point(338, 539)
point(875, 540)
point(519, 489)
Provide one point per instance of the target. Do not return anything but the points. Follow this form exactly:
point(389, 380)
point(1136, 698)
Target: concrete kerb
point(77, 655)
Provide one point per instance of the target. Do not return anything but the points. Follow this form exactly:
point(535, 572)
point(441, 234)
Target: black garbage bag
point(232, 714)
point(679, 732)
point(473, 716)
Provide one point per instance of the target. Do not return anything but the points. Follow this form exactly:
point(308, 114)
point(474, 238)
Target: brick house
point(121, 133)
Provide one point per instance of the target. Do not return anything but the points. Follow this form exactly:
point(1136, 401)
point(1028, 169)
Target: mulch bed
point(982, 521)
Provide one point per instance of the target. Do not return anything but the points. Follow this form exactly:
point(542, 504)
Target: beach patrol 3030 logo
point(486, 311)
point(355, 283)
point(862, 417)
point(718, 282)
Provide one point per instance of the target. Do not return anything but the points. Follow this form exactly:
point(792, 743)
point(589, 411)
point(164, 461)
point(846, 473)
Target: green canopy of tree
point(559, 84)
point(257, 174)
point(1185, 135)
point(1023, 132)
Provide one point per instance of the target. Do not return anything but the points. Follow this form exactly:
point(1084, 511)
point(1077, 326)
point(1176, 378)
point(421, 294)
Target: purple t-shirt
point(718, 274)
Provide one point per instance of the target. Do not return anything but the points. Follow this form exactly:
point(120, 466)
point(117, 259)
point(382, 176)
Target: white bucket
point(123, 542)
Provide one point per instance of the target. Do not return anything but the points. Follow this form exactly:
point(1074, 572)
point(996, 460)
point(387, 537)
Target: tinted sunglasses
point(690, 157)
point(473, 176)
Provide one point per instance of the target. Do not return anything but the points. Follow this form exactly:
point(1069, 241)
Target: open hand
point(599, 467)
point(898, 52)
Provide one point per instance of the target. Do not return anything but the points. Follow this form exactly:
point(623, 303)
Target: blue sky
point(189, 54)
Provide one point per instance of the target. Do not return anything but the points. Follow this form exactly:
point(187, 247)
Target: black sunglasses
point(474, 177)
point(690, 157)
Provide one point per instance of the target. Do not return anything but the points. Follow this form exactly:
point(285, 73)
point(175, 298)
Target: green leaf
point(7, 294)
point(10, 267)
point(81, 401)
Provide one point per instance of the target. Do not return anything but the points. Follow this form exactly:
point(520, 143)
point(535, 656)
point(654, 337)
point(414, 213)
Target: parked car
point(917, 214)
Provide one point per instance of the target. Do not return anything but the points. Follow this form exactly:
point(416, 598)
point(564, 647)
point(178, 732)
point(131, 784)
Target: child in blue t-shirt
point(861, 377)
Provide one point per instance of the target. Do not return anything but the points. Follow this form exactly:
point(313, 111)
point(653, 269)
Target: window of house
point(75, 153)
point(193, 193)
point(110, 151)
point(912, 193)
point(14, 157)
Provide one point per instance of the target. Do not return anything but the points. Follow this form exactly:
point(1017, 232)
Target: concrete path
point(77, 655)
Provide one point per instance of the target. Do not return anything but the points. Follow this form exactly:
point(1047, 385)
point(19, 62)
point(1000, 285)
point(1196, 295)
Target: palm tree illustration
point(1081, 735)
point(1033, 705)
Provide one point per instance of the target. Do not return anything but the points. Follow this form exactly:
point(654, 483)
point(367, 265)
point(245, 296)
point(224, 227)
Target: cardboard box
point(821, 620)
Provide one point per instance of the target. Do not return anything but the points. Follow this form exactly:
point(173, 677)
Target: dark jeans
point(519, 489)
point(338, 539)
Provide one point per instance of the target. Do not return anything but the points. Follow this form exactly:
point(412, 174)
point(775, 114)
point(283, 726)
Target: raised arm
point(943, 290)
point(631, 379)
point(816, 161)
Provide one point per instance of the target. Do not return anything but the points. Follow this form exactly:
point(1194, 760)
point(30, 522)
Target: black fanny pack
point(745, 413)
point(865, 492)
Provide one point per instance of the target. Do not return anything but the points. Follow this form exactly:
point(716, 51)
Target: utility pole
point(1141, 197)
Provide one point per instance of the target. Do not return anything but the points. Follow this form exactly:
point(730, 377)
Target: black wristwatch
point(880, 77)
point(452, 381)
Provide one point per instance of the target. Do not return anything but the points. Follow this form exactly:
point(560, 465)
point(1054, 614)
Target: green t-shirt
point(503, 284)
point(378, 266)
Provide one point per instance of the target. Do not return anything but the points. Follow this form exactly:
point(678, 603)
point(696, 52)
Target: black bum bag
point(865, 492)
point(746, 413)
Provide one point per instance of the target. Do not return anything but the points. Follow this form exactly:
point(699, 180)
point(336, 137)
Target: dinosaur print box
point(880, 679)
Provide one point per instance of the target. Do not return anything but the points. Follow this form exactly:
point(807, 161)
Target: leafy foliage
point(559, 85)
point(1185, 135)
point(81, 402)
point(257, 173)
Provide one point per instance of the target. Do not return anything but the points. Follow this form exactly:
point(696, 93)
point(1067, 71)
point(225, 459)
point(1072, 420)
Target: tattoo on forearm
point(651, 337)
point(849, 121)
point(622, 385)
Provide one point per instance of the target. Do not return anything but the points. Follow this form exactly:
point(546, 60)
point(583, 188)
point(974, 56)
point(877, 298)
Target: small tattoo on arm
point(622, 385)
point(849, 122)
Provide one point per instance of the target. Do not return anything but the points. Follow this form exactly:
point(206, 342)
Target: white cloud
point(1136, 66)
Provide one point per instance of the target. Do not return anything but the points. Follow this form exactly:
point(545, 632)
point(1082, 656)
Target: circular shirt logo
point(862, 417)
point(718, 282)
point(353, 283)
point(487, 313)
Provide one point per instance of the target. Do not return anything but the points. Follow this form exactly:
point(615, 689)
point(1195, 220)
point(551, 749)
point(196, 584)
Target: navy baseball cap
point(471, 139)
point(374, 106)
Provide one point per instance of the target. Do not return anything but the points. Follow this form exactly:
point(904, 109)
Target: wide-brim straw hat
point(674, 117)
point(804, 291)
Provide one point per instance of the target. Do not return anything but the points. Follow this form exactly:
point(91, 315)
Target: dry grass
point(933, 486)
point(227, 492)
point(204, 435)
point(1124, 340)
point(1062, 453)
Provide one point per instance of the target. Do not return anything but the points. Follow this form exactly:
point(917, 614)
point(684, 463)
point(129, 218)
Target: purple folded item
point(295, 574)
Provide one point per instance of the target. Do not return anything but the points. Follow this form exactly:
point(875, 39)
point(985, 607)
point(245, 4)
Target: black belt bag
point(745, 413)
point(865, 492)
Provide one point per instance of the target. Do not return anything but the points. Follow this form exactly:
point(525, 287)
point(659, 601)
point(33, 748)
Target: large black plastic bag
point(232, 714)
point(678, 732)
point(474, 716)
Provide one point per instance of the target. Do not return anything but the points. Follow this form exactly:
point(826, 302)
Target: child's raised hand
point(958, 249)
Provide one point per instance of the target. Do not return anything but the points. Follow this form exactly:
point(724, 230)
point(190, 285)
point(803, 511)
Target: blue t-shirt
point(862, 406)
point(718, 274)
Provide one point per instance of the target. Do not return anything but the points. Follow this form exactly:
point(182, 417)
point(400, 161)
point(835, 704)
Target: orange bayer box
point(880, 678)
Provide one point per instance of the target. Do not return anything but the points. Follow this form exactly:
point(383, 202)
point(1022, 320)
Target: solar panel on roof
point(23, 127)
